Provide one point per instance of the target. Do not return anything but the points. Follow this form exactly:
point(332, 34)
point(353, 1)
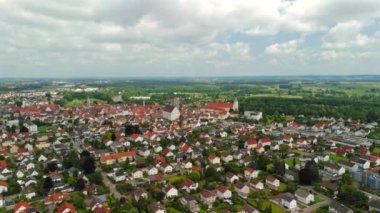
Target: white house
point(334, 169)
point(137, 174)
point(253, 115)
point(1, 201)
point(171, 113)
point(242, 189)
point(152, 170)
point(170, 191)
point(32, 128)
point(167, 168)
point(304, 196)
point(3, 186)
point(119, 176)
point(272, 182)
point(256, 184)
point(288, 201)
point(214, 159)
point(223, 193)
point(231, 178)
point(250, 173)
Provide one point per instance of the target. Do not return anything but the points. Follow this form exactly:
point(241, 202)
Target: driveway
point(110, 185)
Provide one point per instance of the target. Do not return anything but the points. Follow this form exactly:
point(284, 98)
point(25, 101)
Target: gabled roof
point(168, 108)
point(66, 208)
point(207, 193)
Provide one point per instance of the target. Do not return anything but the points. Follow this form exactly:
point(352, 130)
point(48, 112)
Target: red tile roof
point(66, 207)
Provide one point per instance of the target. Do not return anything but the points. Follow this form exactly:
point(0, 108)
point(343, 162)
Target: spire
point(88, 102)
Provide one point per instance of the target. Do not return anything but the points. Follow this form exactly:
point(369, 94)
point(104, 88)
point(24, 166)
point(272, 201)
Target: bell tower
point(235, 106)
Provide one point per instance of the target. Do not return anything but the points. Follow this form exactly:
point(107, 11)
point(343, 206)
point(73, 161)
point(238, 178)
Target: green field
point(176, 179)
point(300, 152)
point(44, 129)
point(337, 158)
point(266, 203)
point(290, 161)
point(376, 150)
point(282, 187)
point(79, 102)
point(318, 199)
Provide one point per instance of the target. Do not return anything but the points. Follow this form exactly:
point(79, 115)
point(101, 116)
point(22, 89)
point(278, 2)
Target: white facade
point(173, 115)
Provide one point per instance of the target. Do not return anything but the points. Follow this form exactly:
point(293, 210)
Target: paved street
point(110, 185)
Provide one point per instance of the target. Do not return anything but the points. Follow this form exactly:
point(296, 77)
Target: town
point(182, 155)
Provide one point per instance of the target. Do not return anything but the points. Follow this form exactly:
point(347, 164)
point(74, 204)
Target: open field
point(337, 158)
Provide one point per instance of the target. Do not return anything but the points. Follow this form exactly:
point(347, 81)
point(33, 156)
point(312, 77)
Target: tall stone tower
point(235, 106)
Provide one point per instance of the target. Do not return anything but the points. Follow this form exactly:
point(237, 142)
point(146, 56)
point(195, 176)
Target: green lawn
point(290, 161)
point(44, 129)
point(276, 95)
point(79, 102)
point(282, 187)
point(176, 178)
point(264, 204)
point(300, 152)
point(377, 150)
point(337, 158)
point(318, 199)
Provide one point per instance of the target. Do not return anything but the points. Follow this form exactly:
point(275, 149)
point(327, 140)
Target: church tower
point(235, 106)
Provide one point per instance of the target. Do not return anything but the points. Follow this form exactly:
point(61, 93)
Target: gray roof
point(288, 197)
point(374, 204)
point(302, 193)
point(340, 208)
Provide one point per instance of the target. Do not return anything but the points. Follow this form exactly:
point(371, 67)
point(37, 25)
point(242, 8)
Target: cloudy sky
point(94, 38)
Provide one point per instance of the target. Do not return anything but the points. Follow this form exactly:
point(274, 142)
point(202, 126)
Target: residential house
point(250, 173)
point(291, 175)
point(66, 208)
point(170, 191)
point(334, 169)
point(348, 166)
point(137, 174)
point(223, 193)
point(208, 197)
point(188, 185)
point(336, 207)
point(361, 162)
point(140, 193)
point(248, 209)
point(231, 178)
point(304, 196)
point(272, 182)
point(288, 201)
point(256, 184)
point(374, 206)
point(3, 186)
point(22, 207)
point(190, 202)
point(242, 189)
point(156, 208)
point(213, 159)
point(151, 170)
point(330, 187)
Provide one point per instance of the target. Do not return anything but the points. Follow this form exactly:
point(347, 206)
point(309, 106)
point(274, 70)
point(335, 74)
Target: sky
point(174, 38)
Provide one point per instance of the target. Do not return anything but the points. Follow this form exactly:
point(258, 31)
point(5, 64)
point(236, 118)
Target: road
point(371, 196)
point(110, 185)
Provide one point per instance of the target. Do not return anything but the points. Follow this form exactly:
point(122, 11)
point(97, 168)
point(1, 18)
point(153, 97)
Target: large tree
point(309, 174)
point(87, 163)
point(48, 184)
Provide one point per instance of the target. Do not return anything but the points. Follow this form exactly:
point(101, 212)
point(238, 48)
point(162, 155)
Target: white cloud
point(172, 34)
point(288, 47)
